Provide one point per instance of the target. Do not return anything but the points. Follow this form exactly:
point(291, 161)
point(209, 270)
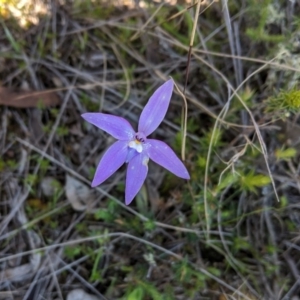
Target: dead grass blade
point(257, 131)
point(25, 99)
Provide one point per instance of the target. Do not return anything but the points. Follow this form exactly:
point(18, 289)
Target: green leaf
point(149, 225)
point(227, 180)
point(285, 154)
point(104, 214)
point(136, 294)
point(241, 243)
point(71, 252)
point(96, 274)
point(11, 39)
point(252, 181)
point(215, 271)
point(151, 290)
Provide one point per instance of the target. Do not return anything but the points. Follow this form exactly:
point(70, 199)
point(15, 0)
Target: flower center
point(140, 137)
point(137, 144)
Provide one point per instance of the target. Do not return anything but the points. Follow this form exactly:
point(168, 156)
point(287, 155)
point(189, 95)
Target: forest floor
point(231, 231)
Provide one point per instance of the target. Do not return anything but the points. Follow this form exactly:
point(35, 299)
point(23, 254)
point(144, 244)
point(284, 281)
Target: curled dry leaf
point(80, 294)
point(50, 186)
point(78, 194)
point(24, 99)
point(22, 272)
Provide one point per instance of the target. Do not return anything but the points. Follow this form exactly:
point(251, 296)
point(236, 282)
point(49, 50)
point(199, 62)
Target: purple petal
point(156, 108)
point(131, 154)
point(111, 161)
point(118, 127)
point(163, 155)
point(136, 174)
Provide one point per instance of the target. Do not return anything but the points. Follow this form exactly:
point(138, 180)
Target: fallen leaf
point(24, 99)
point(22, 272)
point(78, 194)
point(80, 294)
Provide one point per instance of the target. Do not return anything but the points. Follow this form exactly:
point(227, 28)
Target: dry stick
point(226, 17)
point(234, 263)
point(54, 127)
point(102, 97)
point(89, 86)
point(127, 77)
point(186, 79)
point(136, 35)
point(172, 17)
point(192, 43)
point(178, 14)
point(32, 222)
point(207, 218)
point(246, 58)
point(184, 114)
point(185, 109)
point(176, 43)
point(262, 144)
point(191, 99)
point(83, 179)
point(129, 236)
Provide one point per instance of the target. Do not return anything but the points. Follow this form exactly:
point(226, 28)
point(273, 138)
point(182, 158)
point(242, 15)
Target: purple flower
point(135, 148)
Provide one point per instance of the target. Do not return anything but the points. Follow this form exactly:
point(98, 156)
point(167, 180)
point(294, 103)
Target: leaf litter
point(253, 250)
